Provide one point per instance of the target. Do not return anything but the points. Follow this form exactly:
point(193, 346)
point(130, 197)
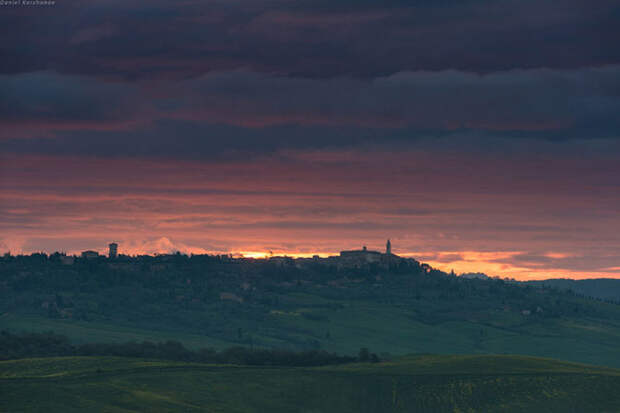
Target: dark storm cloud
point(193, 140)
point(538, 99)
point(241, 113)
point(52, 98)
point(164, 39)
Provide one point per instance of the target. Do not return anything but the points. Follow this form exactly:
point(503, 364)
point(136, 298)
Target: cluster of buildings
point(112, 252)
point(367, 256)
point(350, 258)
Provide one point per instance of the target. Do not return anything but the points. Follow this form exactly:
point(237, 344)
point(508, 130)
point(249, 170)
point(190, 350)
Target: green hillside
point(415, 383)
point(205, 301)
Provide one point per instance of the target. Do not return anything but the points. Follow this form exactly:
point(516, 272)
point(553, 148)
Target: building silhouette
point(113, 250)
point(366, 256)
point(90, 254)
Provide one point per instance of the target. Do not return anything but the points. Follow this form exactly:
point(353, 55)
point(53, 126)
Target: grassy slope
point(82, 332)
point(416, 383)
point(390, 329)
point(382, 328)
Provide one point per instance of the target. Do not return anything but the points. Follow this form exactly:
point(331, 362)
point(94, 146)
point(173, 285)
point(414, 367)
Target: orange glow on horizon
point(300, 204)
point(458, 261)
point(269, 254)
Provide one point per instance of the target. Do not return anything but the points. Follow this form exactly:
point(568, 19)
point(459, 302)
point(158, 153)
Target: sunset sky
point(477, 135)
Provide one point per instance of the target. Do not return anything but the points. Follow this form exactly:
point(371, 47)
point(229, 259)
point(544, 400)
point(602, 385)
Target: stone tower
point(113, 250)
point(388, 248)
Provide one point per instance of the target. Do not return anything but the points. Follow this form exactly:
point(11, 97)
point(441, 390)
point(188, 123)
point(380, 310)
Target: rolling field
point(413, 383)
point(382, 328)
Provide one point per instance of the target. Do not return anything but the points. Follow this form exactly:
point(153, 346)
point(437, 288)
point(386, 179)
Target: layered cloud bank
point(478, 135)
point(322, 202)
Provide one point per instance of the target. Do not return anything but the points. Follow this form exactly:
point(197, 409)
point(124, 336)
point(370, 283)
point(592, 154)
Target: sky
point(477, 135)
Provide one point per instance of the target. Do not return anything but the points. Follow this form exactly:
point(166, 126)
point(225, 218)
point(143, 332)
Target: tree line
point(49, 344)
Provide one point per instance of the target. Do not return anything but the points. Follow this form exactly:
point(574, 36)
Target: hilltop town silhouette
point(346, 258)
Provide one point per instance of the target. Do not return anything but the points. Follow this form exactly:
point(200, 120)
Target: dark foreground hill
point(410, 384)
point(206, 301)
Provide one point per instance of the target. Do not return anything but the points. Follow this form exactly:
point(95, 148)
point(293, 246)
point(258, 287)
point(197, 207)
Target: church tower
point(388, 248)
